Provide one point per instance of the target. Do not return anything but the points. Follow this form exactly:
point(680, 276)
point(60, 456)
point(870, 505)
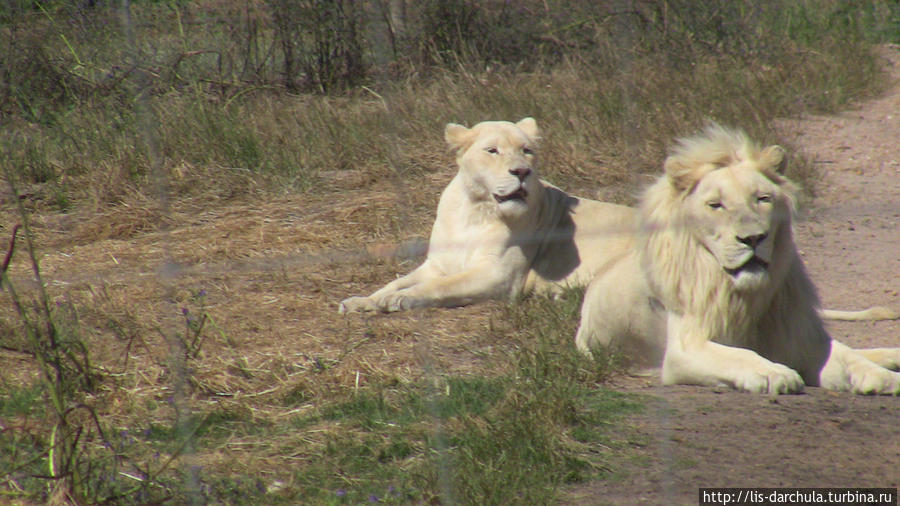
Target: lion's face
point(736, 213)
point(497, 162)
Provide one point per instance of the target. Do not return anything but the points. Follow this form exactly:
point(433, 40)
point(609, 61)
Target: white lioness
point(713, 288)
point(499, 230)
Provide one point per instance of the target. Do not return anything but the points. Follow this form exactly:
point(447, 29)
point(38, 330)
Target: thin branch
point(9, 252)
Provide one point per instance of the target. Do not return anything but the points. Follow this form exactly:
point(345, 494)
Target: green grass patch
point(21, 400)
point(543, 421)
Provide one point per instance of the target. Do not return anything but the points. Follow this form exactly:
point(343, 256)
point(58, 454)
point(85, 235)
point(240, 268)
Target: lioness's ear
point(455, 135)
point(529, 126)
point(773, 157)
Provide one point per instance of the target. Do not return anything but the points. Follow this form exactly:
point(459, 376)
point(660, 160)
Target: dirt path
point(850, 239)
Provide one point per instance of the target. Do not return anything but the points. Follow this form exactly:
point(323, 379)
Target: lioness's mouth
point(519, 194)
point(755, 264)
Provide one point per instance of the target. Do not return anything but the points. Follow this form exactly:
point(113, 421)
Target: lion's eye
point(527, 151)
point(492, 150)
point(715, 204)
point(764, 198)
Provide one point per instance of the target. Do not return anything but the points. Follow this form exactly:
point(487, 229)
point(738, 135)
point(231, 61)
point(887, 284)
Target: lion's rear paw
point(778, 379)
point(885, 357)
point(876, 381)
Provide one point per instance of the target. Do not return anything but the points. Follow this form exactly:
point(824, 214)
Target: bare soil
point(849, 237)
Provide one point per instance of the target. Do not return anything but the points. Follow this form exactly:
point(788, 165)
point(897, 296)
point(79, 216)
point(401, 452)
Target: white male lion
point(499, 230)
point(713, 287)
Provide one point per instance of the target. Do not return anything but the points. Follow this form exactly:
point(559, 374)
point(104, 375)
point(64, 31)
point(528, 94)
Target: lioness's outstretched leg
point(457, 289)
point(426, 287)
point(691, 358)
point(371, 303)
point(848, 369)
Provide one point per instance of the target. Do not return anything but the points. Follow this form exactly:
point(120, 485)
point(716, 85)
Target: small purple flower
point(340, 492)
point(201, 293)
point(184, 311)
point(373, 498)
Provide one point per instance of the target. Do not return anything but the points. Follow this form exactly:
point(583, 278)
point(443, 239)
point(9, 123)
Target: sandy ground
point(694, 437)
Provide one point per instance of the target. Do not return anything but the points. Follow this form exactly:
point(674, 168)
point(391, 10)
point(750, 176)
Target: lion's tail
point(870, 314)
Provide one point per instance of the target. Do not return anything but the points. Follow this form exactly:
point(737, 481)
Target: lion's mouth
point(754, 265)
point(519, 194)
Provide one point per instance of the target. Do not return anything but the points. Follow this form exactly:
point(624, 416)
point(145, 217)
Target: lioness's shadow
point(557, 255)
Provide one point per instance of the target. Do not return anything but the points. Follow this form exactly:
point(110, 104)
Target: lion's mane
point(689, 280)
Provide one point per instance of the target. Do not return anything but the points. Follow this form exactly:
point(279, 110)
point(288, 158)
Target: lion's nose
point(521, 172)
point(752, 240)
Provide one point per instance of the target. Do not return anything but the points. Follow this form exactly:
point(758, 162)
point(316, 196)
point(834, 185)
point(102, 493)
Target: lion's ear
point(681, 173)
point(529, 126)
point(455, 135)
point(773, 157)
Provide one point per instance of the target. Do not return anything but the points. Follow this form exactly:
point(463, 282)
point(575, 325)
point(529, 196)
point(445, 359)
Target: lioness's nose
point(752, 240)
point(521, 172)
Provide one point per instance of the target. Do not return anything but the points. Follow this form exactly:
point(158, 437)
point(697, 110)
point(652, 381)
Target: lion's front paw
point(776, 379)
point(353, 304)
point(875, 380)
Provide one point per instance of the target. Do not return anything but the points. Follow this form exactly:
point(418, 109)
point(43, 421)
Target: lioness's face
point(497, 162)
point(736, 213)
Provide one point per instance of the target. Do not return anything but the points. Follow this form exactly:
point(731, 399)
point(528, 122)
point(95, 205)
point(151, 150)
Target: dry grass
point(272, 273)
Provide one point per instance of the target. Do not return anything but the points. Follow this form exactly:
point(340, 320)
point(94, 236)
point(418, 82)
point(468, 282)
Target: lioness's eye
point(492, 150)
point(764, 198)
point(714, 205)
point(528, 151)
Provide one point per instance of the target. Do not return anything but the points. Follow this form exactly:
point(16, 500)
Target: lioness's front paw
point(352, 304)
point(875, 380)
point(777, 379)
point(398, 302)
